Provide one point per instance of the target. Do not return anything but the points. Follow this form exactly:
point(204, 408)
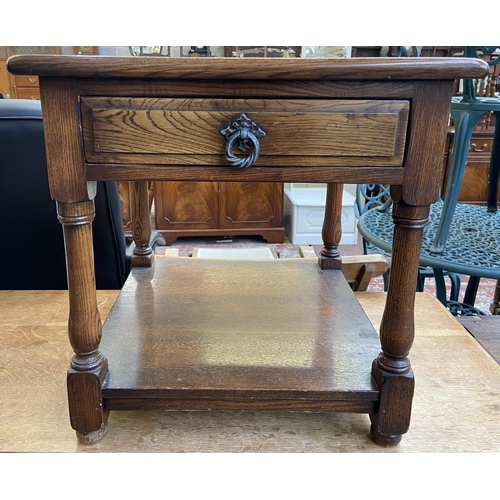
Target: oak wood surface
point(67, 183)
point(233, 344)
point(360, 269)
point(346, 89)
point(451, 413)
point(486, 330)
point(430, 106)
point(331, 232)
point(188, 131)
point(346, 175)
point(143, 254)
point(433, 68)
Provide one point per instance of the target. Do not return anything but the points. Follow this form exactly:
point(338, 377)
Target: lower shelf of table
point(274, 335)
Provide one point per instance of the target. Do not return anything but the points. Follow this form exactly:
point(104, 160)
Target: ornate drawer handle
point(32, 80)
point(475, 148)
point(245, 134)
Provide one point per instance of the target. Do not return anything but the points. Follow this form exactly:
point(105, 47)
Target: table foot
point(92, 437)
point(386, 441)
point(392, 419)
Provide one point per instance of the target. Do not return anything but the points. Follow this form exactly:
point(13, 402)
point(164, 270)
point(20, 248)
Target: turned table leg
point(143, 255)
point(495, 305)
point(331, 233)
point(392, 370)
point(88, 366)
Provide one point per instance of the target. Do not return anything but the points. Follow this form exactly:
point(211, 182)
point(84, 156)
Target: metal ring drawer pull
point(245, 134)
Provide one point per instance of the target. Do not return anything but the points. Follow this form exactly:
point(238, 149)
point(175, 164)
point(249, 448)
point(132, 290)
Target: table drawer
point(298, 132)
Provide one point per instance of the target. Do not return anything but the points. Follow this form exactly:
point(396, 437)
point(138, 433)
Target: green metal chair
point(462, 237)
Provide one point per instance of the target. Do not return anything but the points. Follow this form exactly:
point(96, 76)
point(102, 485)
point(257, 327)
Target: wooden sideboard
point(210, 209)
point(26, 87)
point(219, 209)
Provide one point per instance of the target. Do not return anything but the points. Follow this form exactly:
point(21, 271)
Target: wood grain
point(431, 105)
point(186, 204)
point(250, 204)
point(486, 330)
point(432, 68)
point(64, 143)
point(346, 175)
point(244, 89)
point(188, 131)
point(450, 414)
point(143, 255)
point(233, 345)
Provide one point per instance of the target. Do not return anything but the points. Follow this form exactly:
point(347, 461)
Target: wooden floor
point(456, 406)
point(486, 330)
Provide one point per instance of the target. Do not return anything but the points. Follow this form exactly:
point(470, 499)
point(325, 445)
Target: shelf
point(216, 334)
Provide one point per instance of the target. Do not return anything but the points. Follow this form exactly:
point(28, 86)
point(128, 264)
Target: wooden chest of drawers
point(26, 87)
point(192, 334)
point(475, 183)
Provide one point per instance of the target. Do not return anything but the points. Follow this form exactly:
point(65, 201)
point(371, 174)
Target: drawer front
point(480, 146)
point(27, 81)
point(298, 132)
point(27, 93)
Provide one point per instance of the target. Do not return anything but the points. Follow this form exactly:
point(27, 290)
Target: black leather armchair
point(32, 252)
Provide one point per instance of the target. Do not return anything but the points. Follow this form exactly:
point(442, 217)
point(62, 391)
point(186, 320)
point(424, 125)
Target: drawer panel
point(480, 146)
point(299, 132)
point(26, 81)
point(28, 93)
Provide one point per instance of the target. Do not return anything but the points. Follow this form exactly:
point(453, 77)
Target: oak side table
point(189, 334)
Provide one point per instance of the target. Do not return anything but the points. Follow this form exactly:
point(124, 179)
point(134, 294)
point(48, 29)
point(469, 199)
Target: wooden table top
point(457, 410)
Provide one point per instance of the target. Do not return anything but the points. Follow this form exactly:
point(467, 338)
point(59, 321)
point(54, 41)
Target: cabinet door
point(186, 205)
point(250, 205)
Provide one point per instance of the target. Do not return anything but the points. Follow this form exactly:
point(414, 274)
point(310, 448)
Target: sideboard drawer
point(28, 93)
point(481, 145)
point(26, 81)
point(298, 132)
